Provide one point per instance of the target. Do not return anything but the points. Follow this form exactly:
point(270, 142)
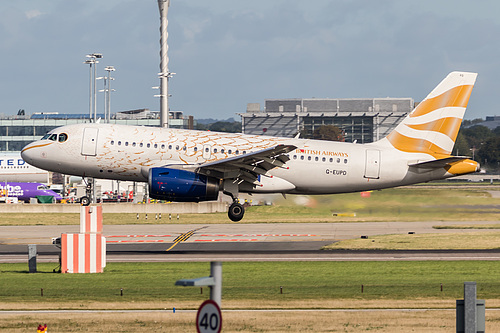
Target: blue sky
point(229, 53)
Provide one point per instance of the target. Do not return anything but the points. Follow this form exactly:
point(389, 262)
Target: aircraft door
point(89, 142)
point(207, 151)
point(372, 164)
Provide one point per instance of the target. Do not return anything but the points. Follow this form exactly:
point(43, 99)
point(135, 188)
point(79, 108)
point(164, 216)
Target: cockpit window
point(46, 136)
point(42, 187)
point(63, 137)
point(53, 137)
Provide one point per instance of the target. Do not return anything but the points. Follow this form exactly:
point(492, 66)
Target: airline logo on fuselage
point(11, 161)
point(13, 191)
point(321, 152)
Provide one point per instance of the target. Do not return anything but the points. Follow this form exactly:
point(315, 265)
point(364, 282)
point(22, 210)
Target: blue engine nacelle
point(181, 185)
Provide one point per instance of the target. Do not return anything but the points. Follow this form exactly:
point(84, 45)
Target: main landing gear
point(236, 210)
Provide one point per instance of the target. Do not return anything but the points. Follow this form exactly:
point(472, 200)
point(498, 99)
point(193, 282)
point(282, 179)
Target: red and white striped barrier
point(83, 253)
point(90, 219)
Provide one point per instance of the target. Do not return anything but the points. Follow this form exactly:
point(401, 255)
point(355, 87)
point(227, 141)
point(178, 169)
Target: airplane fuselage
point(316, 167)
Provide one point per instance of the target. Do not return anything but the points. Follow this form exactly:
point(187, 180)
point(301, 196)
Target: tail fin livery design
point(433, 126)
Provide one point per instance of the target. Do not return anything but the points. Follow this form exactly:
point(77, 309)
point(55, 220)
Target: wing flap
point(250, 166)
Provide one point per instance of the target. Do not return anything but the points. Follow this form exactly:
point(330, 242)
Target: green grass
point(400, 204)
point(448, 241)
point(254, 281)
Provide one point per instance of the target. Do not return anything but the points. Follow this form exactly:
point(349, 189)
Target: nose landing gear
point(85, 200)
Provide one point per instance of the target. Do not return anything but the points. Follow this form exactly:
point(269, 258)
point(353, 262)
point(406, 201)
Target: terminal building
point(362, 120)
point(20, 130)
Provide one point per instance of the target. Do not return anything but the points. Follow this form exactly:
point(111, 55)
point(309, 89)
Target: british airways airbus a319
point(187, 165)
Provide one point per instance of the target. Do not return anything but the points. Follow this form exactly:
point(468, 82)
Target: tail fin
point(432, 127)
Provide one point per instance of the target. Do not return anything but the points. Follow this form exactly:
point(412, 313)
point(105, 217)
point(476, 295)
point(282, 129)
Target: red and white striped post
point(85, 252)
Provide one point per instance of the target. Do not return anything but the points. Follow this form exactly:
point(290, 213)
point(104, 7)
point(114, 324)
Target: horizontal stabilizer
point(439, 163)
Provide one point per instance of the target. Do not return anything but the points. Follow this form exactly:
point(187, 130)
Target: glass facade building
point(18, 131)
point(362, 120)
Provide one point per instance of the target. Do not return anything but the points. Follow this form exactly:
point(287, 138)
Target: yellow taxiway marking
point(183, 237)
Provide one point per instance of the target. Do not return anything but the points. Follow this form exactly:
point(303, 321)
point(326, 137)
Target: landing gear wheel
point(236, 212)
point(85, 201)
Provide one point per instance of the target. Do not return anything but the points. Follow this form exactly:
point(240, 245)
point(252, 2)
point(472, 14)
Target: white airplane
point(187, 165)
point(14, 169)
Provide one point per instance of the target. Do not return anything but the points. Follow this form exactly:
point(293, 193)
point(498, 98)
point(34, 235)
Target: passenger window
point(126, 143)
point(229, 151)
point(184, 148)
point(177, 147)
point(148, 145)
point(119, 143)
point(162, 146)
point(331, 160)
point(338, 160)
point(222, 151)
point(63, 137)
point(141, 144)
point(156, 145)
point(237, 152)
point(345, 161)
point(324, 159)
point(316, 158)
point(309, 158)
point(133, 144)
point(294, 157)
point(302, 157)
point(207, 150)
point(169, 146)
point(215, 150)
point(195, 149)
point(112, 142)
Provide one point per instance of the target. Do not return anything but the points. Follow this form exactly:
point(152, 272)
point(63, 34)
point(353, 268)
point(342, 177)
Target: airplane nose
point(27, 153)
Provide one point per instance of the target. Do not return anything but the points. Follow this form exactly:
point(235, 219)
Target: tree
point(221, 126)
point(328, 133)
point(461, 147)
point(489, 153)
point(225, 126)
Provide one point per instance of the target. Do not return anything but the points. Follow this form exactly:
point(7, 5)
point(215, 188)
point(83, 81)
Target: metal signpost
point(209, 317)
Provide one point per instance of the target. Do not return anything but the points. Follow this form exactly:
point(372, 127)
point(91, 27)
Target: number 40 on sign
point(209, 318)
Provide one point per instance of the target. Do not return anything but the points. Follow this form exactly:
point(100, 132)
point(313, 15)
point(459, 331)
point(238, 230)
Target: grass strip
point(447, 241)
point(398, 204)
point(254, 283)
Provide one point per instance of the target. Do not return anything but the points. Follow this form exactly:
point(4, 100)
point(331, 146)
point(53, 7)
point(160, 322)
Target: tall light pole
point(92, 61)
point(164, 74)
point(91, 104)
point(107, 92)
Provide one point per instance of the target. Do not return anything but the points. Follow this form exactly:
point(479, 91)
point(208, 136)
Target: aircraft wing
point(250, 166)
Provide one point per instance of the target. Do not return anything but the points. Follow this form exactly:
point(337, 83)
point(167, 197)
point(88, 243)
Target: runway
point(234, 242)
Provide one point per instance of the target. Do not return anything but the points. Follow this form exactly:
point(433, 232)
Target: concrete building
point(18, 131)
point(491, 122)
point(363, 119)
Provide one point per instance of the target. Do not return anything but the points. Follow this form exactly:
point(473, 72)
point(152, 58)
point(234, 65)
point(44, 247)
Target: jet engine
point(181, 185)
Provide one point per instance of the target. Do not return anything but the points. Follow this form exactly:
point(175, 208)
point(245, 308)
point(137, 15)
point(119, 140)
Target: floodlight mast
point(164, 74)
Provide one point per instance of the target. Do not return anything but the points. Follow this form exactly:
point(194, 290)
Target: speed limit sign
point(209, 317)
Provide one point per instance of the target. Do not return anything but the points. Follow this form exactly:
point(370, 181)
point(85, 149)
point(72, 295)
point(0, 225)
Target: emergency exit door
point(89, 141)
point(372, 164)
